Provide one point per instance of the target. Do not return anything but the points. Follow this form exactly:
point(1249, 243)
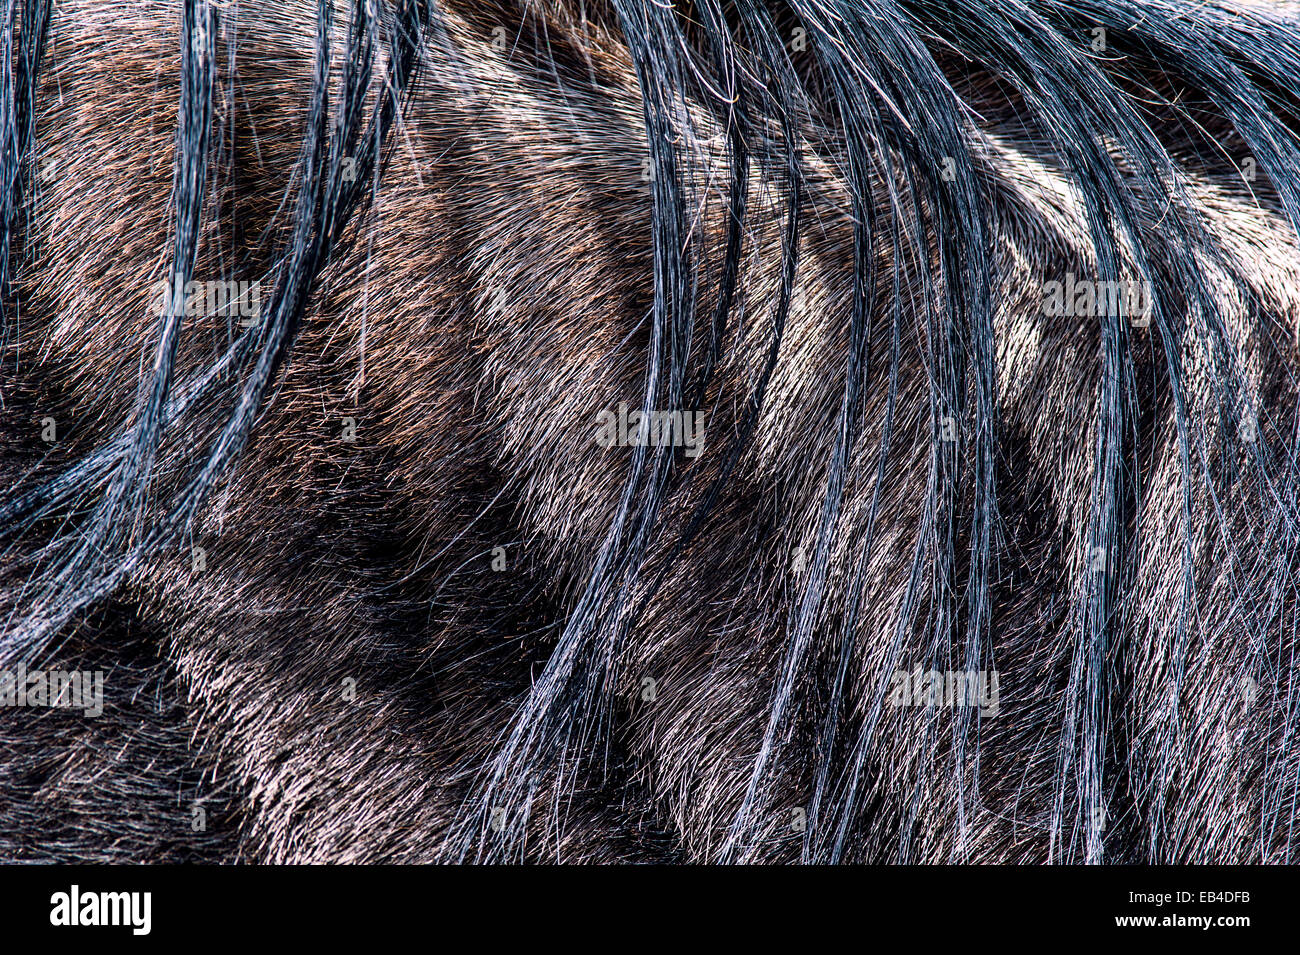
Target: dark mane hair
point(894, 115)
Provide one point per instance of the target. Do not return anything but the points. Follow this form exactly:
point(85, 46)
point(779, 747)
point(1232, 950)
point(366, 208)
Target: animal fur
point(473, 633)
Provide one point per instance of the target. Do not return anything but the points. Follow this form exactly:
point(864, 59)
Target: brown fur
point(491, 303)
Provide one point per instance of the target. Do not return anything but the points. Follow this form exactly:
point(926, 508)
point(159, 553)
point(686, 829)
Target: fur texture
point(366, 587)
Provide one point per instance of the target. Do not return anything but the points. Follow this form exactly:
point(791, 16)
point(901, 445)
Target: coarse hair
point(851, 208)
